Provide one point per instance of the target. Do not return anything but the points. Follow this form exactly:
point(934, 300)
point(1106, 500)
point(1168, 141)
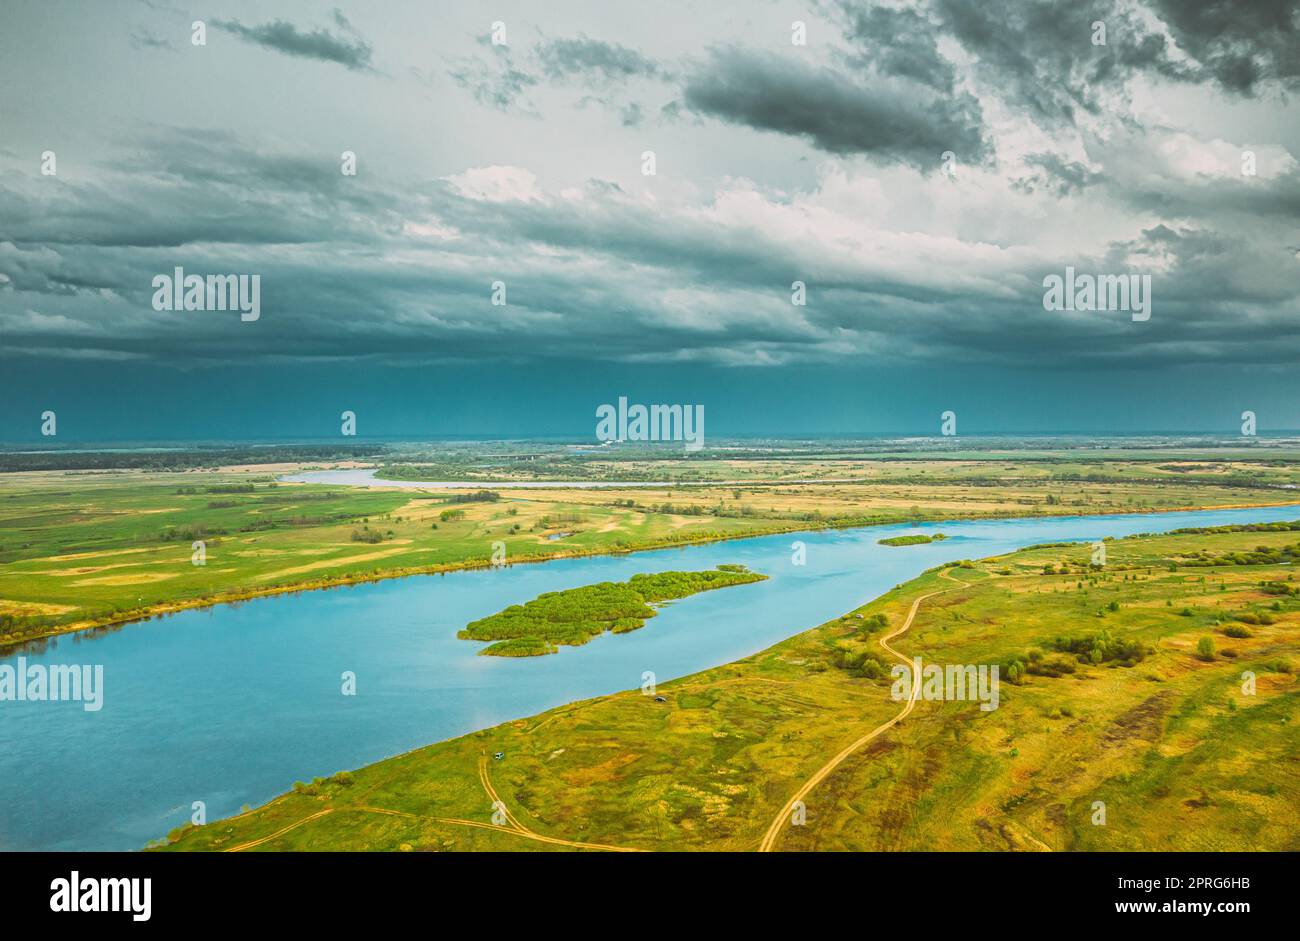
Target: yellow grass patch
point(22, 608)
point(330, 563)
point(92, 569)
point(296, 551)
point(140, 578)
point(71, 557)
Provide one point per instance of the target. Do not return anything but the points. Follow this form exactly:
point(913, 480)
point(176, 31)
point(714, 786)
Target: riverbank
point(1180, 755)
point(677, 540)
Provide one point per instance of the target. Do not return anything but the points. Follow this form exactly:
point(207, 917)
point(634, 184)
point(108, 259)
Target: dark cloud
point(1040, 54)
point(1057, 175)
point(495, 82)
point(356, 271)
point(884, 117)
point(1244, 198)
point(898, 42)
point(1240, 44)
point(632, 115)
point(319, 44)
point(604, 62)
point(696, 265)
point(603, 69)
point(143, 39)
point(1213, 274)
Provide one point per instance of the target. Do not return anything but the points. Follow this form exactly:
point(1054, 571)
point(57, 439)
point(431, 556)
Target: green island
point(918, 539)
point(1160, 687)
point(575, 616)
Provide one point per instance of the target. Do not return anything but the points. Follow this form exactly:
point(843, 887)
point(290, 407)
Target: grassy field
point(1143, 719)
point(83, 549)
point(80, 549)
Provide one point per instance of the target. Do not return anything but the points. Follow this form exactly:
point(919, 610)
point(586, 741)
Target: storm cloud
point(319, 44)
point(888, 118)
point(775, 164)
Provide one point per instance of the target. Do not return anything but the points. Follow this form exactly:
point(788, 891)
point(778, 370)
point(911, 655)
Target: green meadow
point(1157, 708)
point(88, 548)
point(79, 550)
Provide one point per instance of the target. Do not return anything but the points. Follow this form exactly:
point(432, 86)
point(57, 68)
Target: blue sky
point(920, 167)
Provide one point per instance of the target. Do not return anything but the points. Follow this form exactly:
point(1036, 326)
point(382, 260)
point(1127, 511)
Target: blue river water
point(231, 704)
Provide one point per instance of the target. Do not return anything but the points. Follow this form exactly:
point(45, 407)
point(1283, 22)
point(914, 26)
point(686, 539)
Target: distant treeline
point(475, 496)
point(186, 459)
point(1237, 480)
point(1283, 527)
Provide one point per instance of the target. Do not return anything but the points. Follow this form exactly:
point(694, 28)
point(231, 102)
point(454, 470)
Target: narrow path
point(522, 830)
point(774, 831)
point(278, 833)
point(514, 827)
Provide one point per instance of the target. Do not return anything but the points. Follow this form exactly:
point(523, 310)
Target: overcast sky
point(775, 162)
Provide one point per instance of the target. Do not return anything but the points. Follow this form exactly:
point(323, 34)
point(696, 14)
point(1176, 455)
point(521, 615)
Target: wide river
point(230, 705)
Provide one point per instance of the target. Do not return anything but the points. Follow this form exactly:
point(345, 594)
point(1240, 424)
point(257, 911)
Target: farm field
point(1147, 703)
point(83, 549)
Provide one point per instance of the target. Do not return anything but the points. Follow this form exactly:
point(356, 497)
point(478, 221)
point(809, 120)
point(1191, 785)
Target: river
point(231, 704)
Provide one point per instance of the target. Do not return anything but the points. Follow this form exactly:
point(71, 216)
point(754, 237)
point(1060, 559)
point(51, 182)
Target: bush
point(1205, 648)
point(1101, 648)
point(1052, 666)
point(1236, 630)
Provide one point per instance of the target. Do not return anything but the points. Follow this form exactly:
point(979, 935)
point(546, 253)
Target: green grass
point(1177, 750)
point(576, 615)
point(87, 548)
point(79, 550)
point(520, 647)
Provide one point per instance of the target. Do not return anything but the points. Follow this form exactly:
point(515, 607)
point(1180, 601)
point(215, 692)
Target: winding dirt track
point(774, 831)
point(512, 826)
point(524, 831)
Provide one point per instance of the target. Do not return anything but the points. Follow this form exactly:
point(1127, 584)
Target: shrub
point(1053, 666)
point(1101, 648)
point(1205, 648)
